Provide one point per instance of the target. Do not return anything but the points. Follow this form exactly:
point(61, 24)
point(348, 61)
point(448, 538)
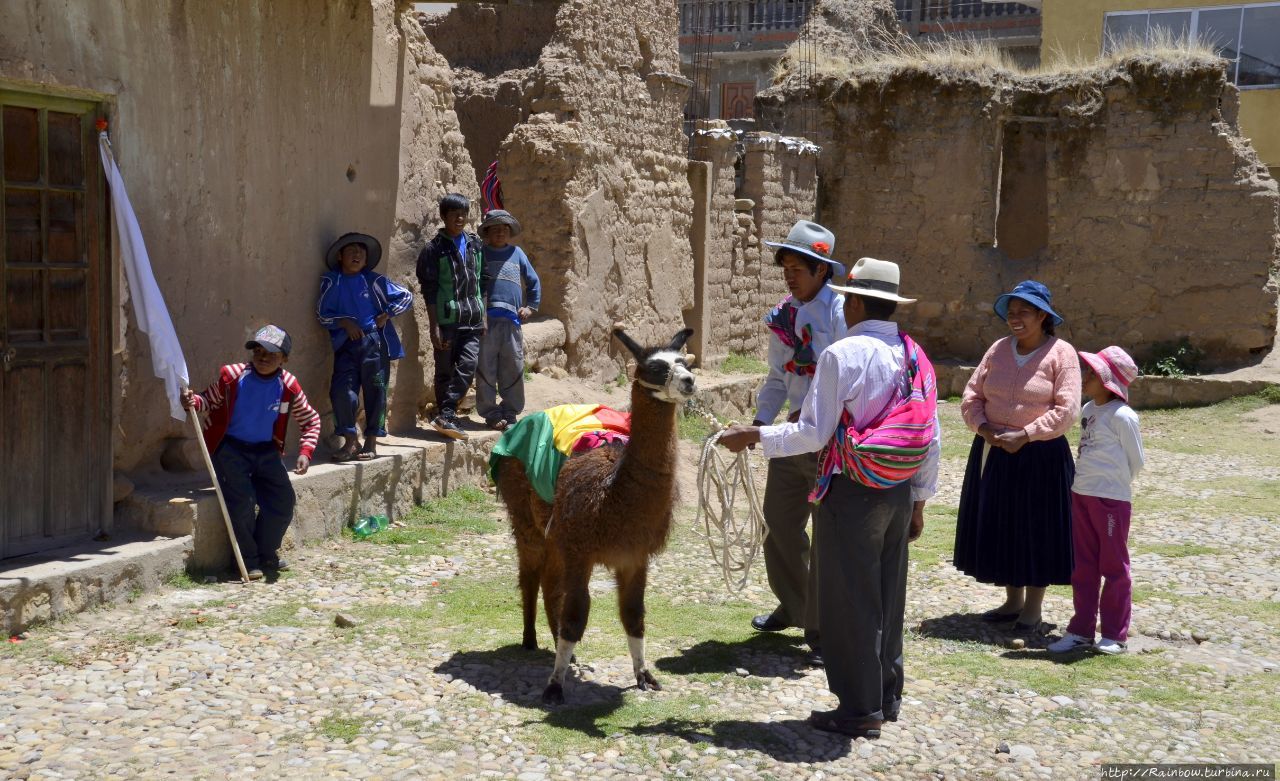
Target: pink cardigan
point(1041, 397)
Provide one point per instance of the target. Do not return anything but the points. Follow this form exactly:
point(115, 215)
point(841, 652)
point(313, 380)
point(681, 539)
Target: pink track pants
point(1100, 536)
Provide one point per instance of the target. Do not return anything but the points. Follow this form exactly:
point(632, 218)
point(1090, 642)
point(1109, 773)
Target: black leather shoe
point(996, 617)
point(769, 623)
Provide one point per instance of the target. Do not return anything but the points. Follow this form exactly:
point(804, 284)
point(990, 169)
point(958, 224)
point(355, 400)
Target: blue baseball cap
point(1033, 293)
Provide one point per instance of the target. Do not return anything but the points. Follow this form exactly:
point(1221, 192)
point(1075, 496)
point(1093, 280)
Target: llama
point(613, 506)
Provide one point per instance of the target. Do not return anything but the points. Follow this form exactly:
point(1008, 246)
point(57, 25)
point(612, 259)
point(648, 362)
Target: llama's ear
point(629, 343)
point(678, 342)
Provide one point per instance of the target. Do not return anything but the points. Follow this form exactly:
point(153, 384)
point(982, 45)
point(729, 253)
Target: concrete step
point(48, 585)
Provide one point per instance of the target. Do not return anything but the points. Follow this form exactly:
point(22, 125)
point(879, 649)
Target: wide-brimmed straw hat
point(373, 250)
point(1033, 293)
point(875, 279)
point(499, 217)
point(812, 240)
point(1114, 368)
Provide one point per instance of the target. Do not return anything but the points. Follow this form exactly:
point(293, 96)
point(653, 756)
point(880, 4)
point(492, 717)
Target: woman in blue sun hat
point(1014, 523)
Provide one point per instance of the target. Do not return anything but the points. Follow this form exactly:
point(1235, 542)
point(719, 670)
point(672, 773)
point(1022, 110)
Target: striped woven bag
point(895, 446)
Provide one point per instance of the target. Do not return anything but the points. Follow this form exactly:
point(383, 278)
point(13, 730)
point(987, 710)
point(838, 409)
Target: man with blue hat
point(805, 323)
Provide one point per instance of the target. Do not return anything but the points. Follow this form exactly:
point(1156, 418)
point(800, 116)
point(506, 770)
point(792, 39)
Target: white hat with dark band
point(874, 279)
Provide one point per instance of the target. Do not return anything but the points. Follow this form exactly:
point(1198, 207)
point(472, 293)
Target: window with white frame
point(1247, 36)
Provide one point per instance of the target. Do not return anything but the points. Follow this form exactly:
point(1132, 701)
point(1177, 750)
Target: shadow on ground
point(786, 741)
point(519, 676)
point(970, 628)
point(761, 655)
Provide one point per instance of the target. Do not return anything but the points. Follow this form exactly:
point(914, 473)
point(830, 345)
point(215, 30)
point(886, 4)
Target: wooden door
point(54, 452)
point(737, 100)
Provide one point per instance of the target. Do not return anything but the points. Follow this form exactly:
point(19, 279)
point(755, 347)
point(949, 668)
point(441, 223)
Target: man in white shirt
point(861, 533)
point(808, 321)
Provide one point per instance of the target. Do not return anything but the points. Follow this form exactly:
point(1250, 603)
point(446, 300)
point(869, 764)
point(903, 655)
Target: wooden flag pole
point(217, 487)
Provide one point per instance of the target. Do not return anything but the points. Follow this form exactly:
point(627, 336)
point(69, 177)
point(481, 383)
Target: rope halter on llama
point(734, 533)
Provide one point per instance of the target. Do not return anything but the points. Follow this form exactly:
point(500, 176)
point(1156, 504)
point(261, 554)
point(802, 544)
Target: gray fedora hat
point(814, 241)
point(372, 248)
point(499, 217)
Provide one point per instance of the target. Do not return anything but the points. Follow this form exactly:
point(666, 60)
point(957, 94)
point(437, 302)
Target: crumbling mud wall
point(249, 140)
point(493, 50)
point(597, 176)
point(1127, 189)
point(758, 186)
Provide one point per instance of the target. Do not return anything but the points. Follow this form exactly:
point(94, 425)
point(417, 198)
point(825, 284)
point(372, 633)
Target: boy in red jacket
point(248, 417)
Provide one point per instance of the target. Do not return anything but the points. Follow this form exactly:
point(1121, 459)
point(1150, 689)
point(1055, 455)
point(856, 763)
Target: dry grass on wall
point(956, 59)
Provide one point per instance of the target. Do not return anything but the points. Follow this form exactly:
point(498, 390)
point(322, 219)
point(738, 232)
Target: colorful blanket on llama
point(544, 440)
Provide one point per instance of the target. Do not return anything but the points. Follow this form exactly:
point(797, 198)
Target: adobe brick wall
point(597, 176)
point(248, 143)
point(1159, 222)
point(779, 175)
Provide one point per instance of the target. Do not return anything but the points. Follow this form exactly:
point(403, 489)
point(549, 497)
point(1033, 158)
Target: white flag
point(148, 303)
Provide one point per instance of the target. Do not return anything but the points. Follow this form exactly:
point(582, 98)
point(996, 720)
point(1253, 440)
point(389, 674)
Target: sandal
point(828, 722)
point(368, 452)
point(347, 452)
point(498, 425)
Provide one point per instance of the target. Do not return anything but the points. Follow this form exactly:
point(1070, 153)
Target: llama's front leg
point(574, 609)
point(631, 585)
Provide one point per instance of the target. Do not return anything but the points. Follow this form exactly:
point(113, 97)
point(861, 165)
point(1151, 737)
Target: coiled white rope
point(734, 533)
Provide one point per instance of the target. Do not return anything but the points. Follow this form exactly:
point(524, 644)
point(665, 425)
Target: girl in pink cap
point(1101, 504)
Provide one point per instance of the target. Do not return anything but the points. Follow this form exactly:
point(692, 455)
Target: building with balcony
point(729, 48)
point(1246, 35)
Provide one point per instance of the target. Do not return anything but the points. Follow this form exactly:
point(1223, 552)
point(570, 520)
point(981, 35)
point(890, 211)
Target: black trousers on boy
point(251, 473)
point(860, 535)
point(455, 367)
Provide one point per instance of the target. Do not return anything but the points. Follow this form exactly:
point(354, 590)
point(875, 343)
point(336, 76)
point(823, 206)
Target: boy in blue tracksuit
point(357, 305)
point(512, 294)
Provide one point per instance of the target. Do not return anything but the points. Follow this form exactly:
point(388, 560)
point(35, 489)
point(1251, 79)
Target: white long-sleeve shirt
point(1110, 451)
point(824, 314)
point(861, 373)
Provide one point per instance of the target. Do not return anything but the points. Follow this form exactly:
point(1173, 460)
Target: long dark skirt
point(1014, 526)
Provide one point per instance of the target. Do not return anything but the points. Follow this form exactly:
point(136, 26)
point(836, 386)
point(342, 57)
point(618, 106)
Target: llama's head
point(663, 370)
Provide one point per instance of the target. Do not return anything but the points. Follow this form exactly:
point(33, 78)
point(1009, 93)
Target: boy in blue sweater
point(357, 305)
point(512, 294)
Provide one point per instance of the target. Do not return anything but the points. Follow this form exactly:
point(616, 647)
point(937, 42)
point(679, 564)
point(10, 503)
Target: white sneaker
point(1069, 642)
point(1110, 647)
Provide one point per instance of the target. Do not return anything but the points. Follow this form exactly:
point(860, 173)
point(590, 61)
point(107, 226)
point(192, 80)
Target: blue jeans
point(363, 365)
point(249, 474)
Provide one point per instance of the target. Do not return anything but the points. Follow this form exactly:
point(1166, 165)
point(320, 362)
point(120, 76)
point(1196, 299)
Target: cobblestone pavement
point(224, 681)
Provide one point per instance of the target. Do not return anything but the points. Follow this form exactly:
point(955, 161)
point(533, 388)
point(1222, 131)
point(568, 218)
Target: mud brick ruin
point(1126, 187)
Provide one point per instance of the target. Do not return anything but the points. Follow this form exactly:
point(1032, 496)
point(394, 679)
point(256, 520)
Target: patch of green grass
point(1270, 394)
point(737, 363)
point(196, 622)
point(621, 380)
point(1229, 496)
point(134, 594)
point(339, 728)
point(1215, 429)
point(282, 615)
point(937, 543)
point(1177, 550)
point(466, 510)
point(973, 664)
point(693, 427)
point(137, 639)
point(181, 579)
